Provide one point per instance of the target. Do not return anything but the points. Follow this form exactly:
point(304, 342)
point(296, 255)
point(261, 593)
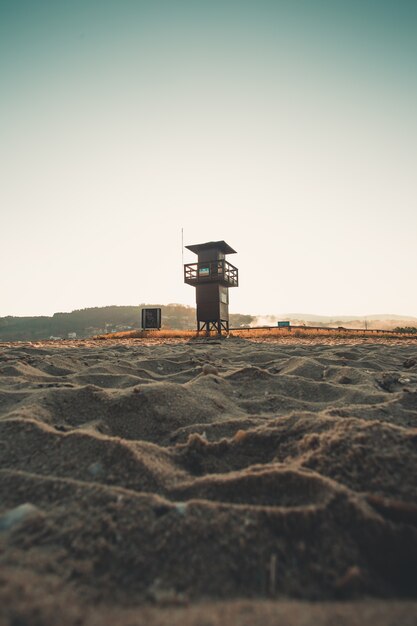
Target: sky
point(286, 128)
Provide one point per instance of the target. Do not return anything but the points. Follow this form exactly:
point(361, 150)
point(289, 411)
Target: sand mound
point(134, 474)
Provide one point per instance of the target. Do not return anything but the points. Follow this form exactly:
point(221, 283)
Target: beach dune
point(208, 482)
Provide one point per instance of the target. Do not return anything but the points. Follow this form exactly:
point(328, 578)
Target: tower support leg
point(217, 325)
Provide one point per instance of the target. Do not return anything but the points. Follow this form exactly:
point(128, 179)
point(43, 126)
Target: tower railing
point(219, 271)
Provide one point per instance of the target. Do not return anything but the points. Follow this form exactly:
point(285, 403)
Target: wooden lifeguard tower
point(212, 276)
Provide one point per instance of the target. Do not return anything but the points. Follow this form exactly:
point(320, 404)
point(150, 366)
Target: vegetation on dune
point(307, 332)
point(312, 333)
point(409, 330)
point(258, 333)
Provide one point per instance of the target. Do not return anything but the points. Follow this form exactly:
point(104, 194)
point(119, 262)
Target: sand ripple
point(290, 470)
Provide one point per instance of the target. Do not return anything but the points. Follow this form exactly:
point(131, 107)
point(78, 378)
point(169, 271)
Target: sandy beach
point(208, 482)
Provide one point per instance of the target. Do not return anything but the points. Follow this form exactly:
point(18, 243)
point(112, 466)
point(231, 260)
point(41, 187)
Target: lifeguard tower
point(212, 276)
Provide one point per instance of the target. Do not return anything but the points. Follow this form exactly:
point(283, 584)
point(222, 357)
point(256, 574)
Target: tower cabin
point(212, 276)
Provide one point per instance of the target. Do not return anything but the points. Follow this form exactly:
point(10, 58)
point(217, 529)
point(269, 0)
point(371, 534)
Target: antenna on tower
point(182, 246)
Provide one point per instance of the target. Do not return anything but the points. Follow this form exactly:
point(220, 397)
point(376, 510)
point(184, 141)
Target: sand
point(220, 482)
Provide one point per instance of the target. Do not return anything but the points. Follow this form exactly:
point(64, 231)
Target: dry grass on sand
point(267, 333)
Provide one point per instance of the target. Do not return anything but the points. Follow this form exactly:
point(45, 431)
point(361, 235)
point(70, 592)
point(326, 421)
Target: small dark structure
point(212, 276)
point(151, 319)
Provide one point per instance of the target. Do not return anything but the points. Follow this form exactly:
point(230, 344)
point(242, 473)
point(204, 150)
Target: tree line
point(97, 320)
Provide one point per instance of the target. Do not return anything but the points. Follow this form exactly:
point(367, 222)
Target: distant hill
point(381, 321)
point(327, 319)
point(98, 320)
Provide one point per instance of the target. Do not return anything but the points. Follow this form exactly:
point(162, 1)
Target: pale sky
point(286, 128)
